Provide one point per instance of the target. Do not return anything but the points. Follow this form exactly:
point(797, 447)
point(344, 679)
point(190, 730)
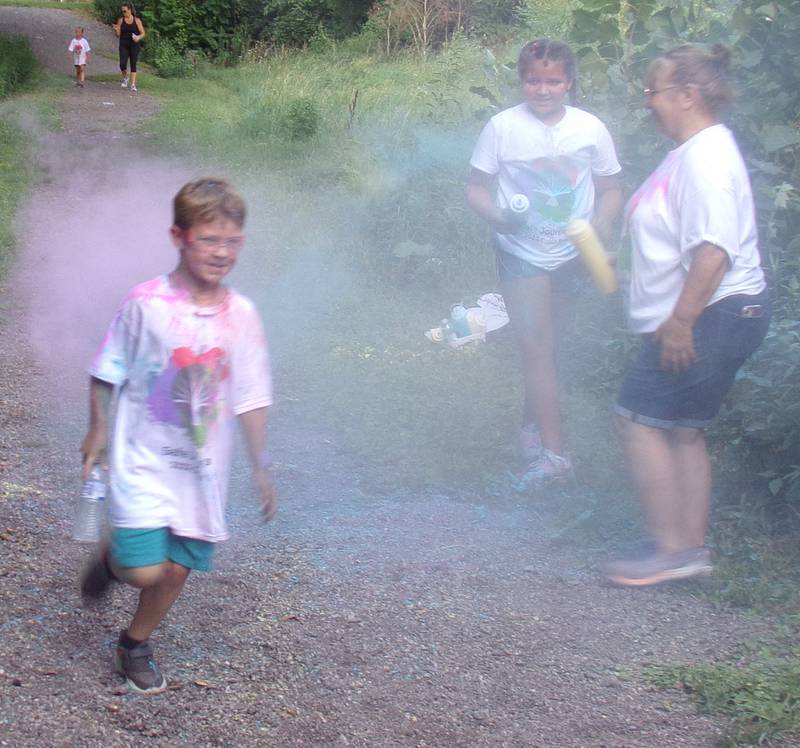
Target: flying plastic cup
point(594, 257)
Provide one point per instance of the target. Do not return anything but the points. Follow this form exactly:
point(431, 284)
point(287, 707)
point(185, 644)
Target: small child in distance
point(80, 50)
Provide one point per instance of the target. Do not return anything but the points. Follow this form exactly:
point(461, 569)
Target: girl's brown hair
point(550, 51)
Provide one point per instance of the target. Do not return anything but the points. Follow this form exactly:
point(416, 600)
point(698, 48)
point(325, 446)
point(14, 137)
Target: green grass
point(759, 693)
point(14, 166)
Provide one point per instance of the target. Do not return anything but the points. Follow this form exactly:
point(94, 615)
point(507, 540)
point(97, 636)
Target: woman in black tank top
point(130, 31)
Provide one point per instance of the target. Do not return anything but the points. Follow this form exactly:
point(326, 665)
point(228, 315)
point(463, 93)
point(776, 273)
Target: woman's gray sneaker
point(660, 567)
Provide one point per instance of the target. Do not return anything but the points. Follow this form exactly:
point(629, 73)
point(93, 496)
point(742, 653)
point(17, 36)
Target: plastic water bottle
point(517, 212)
point(91, 508)
point(458, 321)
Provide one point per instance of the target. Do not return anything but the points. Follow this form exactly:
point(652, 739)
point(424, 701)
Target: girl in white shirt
point(79, 50)
point(560, 162)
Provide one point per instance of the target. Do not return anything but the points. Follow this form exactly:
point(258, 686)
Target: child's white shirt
point(553, 166)
point(79, 48)
point(181, 374)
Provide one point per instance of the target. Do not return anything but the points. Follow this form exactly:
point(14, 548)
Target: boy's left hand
point(266, 492)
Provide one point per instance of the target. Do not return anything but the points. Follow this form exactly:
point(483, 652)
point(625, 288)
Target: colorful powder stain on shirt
point(655, 187)
point(186, 393)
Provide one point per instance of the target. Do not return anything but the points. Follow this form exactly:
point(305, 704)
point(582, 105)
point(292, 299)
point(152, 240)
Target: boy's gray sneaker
point(139, 669)
point(660, 567)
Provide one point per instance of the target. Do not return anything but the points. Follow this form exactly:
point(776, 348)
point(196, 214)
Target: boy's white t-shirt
point(79, 48)
point(553, 167)
point(699, 193)
point(181, 373)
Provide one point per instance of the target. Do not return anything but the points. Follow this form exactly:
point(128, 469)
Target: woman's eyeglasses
point(650, 92)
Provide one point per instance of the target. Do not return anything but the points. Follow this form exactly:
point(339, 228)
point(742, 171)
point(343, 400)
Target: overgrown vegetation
point(17, 64)
point(17, 71)
point(14, 167)
point(761, 697)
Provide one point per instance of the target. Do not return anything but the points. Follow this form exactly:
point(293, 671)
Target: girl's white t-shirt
point(181, 373)
point(553, 167)
point(79, 48)
point(699, 193)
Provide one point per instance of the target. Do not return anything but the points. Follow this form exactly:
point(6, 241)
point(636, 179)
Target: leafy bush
point(302, 119)
point(107, 11)
point(216, 27)
point(17, 64)
point(295, 23)
point(551, 18)
point(168, 60)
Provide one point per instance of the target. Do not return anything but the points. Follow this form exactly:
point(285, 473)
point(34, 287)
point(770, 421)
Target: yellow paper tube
point(582, 234)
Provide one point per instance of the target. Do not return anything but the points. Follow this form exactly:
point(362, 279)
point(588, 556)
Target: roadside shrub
point(551, 18)
point(302, 119)
point(168, 60)
point(107, 11)
point(295, 23)
point(17, 64)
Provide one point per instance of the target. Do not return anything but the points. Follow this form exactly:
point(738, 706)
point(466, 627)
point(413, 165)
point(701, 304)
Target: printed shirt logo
point(550, 184)
point(187, 392)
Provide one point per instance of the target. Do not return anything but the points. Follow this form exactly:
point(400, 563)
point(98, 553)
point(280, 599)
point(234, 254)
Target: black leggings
point(128, 50)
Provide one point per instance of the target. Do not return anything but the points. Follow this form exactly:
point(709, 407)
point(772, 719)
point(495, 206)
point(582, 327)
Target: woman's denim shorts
point(725, 335)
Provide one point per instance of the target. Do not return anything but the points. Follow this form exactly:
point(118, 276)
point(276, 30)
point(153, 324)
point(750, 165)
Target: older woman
point(130, 30)
point(698, 300)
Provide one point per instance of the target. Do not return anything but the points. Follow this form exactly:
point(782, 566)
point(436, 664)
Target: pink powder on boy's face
point(209, 250)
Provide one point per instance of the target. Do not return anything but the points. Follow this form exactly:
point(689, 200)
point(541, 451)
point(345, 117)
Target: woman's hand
point(677, 345)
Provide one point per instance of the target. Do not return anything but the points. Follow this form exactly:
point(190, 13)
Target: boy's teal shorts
point(134, 547)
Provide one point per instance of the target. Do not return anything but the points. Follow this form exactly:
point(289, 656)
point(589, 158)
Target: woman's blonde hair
point(207, 199)
point(708, 70)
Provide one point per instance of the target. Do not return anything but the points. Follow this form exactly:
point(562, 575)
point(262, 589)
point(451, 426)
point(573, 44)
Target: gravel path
point(353, 619)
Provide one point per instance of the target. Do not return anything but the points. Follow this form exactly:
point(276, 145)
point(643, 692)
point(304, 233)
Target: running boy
point(80, 50)
point(184, 355)
point(558, 163)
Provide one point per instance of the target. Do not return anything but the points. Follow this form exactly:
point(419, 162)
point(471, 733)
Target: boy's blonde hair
point(206, 199)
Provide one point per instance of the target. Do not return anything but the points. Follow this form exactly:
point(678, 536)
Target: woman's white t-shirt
point(182, 372)
point(553, 166)
point(699, 193)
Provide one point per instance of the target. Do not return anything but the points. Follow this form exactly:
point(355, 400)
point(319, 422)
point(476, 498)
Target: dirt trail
point(352, 620)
